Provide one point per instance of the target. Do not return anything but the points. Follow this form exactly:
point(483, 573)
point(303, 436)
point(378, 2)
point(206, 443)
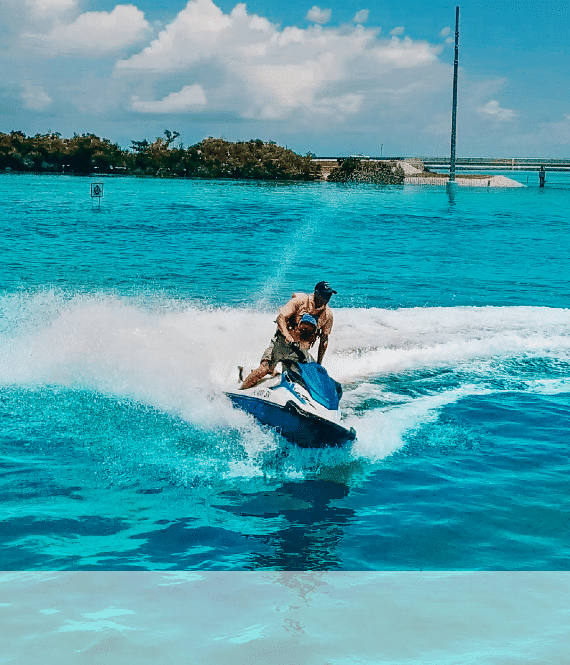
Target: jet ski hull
point(306, 430)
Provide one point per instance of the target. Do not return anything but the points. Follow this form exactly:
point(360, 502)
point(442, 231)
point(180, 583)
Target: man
point(299, 323)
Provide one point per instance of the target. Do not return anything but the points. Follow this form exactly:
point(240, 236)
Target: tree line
point(211, 158)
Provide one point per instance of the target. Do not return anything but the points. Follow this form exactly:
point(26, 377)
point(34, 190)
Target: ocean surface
point(121, 325)
point(285, 618)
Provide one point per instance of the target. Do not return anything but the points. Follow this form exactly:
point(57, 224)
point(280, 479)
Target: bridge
point(466, 163)
point(500, 164)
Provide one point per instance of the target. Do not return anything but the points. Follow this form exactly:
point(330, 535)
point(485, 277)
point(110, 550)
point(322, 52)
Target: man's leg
point(255, 376)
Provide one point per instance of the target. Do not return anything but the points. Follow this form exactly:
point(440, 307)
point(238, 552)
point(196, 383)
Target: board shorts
point(279, 350)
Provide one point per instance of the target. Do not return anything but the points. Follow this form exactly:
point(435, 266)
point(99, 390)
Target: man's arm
point(285, 313)
point(282, 325)
point(324, 342)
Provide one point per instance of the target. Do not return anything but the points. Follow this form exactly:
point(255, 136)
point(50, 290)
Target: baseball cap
point(307, 318)
point(325, 288)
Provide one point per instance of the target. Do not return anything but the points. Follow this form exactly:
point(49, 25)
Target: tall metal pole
point(454, 108)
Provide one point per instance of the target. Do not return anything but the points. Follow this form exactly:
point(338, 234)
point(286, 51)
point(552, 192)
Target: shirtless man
point(299, 323)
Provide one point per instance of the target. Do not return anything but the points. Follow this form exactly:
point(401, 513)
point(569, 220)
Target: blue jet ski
point(302, 404)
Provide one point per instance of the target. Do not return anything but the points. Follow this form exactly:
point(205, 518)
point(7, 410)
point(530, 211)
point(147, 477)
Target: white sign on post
point(96, 190)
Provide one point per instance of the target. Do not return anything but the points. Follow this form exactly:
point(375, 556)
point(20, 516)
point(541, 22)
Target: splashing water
point(121, 329)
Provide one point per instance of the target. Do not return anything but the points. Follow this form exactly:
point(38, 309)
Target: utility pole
point(454, 107)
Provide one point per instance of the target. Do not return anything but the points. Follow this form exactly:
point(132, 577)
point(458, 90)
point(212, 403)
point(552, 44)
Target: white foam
point(369, 342)
point(549, 386)
point(179, 358)
point(383, 431)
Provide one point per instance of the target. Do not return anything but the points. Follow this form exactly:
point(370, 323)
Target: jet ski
point(301, 403)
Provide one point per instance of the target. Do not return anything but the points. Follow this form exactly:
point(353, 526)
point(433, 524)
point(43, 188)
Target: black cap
point(325, 289)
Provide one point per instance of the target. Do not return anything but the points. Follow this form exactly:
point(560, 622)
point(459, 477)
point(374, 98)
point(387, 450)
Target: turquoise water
point(280, 618)
point(121, 327)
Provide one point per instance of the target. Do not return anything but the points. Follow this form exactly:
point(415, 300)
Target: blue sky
point(333, 78)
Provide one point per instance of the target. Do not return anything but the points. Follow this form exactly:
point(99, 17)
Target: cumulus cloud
point(361, 16)
point(35, 97)
point(176, 102)
point(405, 53)
point(199, 32)
point(492, 111)
point(50, 7)
point(397, 31)
point(445, 32)
point(92, 33)
point(258, 70)
point(39, 16)
point(318, 15)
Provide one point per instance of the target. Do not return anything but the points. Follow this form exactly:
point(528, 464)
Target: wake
point(398, 367)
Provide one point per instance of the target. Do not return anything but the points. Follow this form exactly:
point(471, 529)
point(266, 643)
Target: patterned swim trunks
point(279, 350)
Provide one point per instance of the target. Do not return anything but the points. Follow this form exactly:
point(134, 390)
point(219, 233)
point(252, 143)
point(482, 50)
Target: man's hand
point(322, 348)
point(282, 325)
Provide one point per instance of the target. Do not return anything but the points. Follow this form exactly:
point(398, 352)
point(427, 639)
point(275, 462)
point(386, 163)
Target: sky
point(335, 78)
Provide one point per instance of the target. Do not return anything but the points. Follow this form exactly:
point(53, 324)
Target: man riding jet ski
point(294, 334)
point(302, 403)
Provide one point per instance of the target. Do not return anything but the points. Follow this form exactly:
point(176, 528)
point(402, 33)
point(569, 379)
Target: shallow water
point(281, 618)
point(120, 328)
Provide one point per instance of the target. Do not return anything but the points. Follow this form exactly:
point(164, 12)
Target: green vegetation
point(49, 152)
point(361, 170)
point(211, 158)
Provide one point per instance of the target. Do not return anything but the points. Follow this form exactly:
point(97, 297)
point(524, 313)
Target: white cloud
point(229, 68)
point(18, 16)
point(397, 31)
point(93, 33)
point(406, 54)
point(318, 15)
point(361, 16)
point(35, 97)
point(200, 31)
point(492, 111)
point(257, 70)
point(176, 102)
point(50, 7)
